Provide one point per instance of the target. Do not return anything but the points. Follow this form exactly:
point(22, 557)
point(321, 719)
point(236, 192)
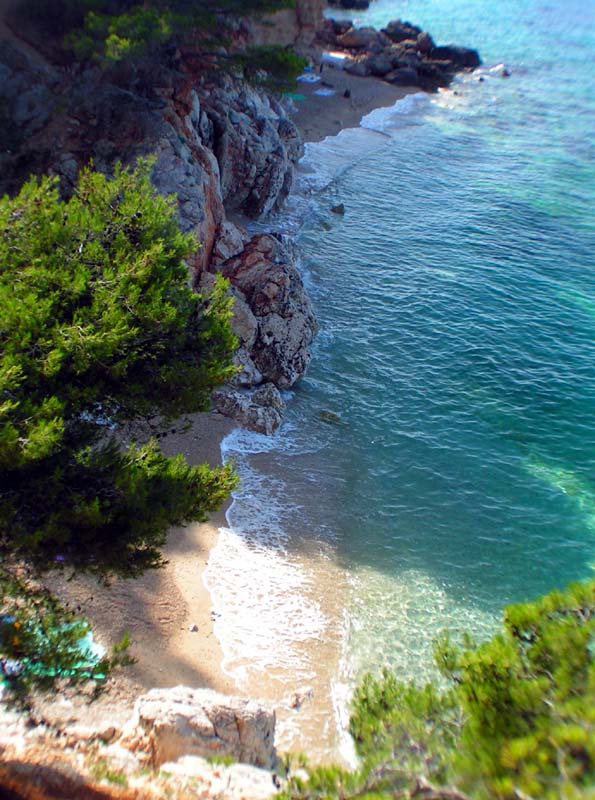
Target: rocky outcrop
point(295, 26)
point(282, 325)
point(401, 53)
point(260, 409)
point(220, 146)
point(168, 748)
point(171, 723)
point(273, 320)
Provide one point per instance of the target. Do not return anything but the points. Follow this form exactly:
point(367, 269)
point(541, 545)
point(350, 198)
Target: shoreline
point(168, 612)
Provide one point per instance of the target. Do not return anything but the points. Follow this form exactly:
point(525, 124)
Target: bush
point(516, 721)
point(98, 328)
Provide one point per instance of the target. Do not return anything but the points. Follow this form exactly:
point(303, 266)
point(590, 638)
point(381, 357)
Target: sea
point(437, 461)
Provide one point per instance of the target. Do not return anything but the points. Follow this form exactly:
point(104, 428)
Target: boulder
point(272, 287)
point(379, 64)
point(259, 410)
point(359, 39)
point(425, 43)
point(221, 781)
point(179, 721)
point(403, 76)
point(228, 243)
point(398, 31)
point(357, 66)
point(460, 57)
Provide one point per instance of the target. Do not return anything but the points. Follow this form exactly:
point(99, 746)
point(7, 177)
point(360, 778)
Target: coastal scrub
point(98, 329)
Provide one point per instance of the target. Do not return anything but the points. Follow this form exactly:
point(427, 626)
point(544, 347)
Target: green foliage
point(114, 30)
point(281, 64)
point(98, 327)
point(516, 722)
point(41, 642)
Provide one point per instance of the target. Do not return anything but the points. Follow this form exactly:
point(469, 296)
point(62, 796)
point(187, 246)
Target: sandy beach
point(168, 612)
point(318, 116)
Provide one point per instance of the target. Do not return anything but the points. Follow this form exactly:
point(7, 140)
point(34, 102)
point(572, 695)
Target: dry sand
point(318, 117)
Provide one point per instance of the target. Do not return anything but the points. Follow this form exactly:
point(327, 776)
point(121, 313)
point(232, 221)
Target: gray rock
point(461, 57)
point(259, 410)
point(398, 31)
point(425, 43)
point(403, 76)
point(380, 64)
point(359, 39)
point(357, 67)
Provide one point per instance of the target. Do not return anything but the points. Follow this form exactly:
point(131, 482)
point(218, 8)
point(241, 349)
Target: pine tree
point(97, 328)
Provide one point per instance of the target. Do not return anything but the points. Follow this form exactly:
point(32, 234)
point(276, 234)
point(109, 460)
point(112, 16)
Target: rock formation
point(168, 748)
point(220, 145)
point(295, 26)
point(401, 53)
point(171, 723)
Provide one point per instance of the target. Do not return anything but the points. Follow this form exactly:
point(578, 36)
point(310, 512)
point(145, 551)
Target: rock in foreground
point(176, 722)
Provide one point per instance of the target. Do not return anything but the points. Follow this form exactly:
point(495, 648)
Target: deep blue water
point(457, 304)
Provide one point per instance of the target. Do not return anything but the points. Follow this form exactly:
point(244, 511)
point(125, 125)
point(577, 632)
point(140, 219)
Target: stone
point(229, 242)
point(300, 696)
point(425, 43)
point(460, 57)
point(403, 76)
point(259, 410)
point(180, 721)
point(398, 31)
point(272, 287)
point(338, 209)
point(222, 780)
point(358, 38)
point(380, 64)
point(357, 67)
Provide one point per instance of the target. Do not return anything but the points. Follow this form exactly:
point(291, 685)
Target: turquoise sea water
point(457, 306)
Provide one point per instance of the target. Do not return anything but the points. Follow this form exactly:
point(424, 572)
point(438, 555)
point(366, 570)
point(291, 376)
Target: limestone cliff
point(292, 26)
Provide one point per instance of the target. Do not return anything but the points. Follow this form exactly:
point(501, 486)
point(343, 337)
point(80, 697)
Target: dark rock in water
point(432, 75)
point(398, 31)
point(330, 417)
point(404, 76)
point(356, 5)
point(461, 57)
point(425, 43)
point(338, 209)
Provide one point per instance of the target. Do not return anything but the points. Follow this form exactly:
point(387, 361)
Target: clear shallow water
point(457, 304)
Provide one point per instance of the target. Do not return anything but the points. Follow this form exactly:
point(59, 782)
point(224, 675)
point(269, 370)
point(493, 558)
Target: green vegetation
point(42, 642)
point(99, 330)
point(280, 66)
point(515, 722)
point(115, 30)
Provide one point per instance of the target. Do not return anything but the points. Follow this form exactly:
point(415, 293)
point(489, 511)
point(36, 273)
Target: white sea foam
point(262, 596)
point(324, 161)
